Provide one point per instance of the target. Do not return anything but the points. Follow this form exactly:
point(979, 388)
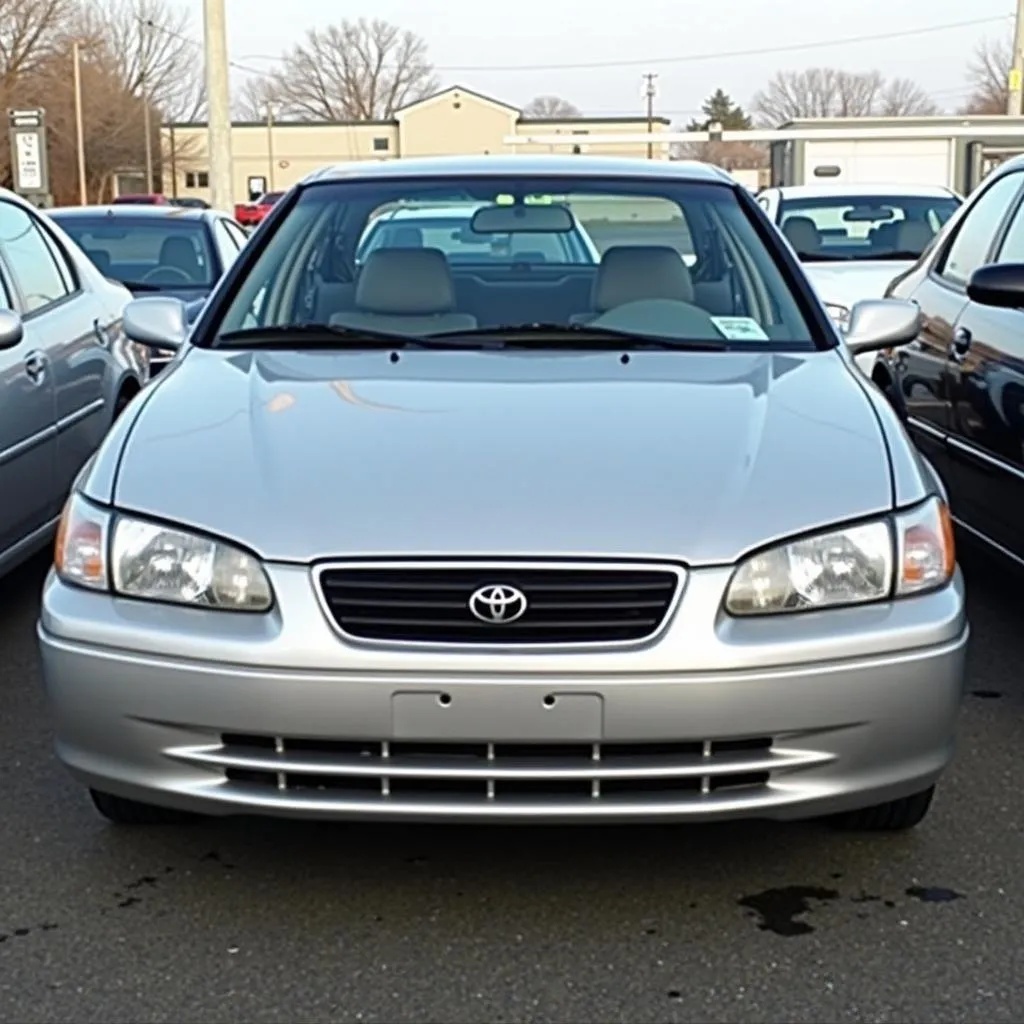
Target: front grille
point(590, 604)
point(509, 773)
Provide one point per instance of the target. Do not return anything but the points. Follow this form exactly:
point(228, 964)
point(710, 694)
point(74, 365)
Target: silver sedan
point(512, 539)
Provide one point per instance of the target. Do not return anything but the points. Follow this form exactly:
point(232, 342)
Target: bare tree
point(551, 108)
point(30, 32)
point(988, 75)
point(148, 47)
point(903, 97)
point(818, 92)
point(256, 95)
point(354, 71)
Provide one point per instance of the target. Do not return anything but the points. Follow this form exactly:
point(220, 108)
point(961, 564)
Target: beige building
point(273, 156)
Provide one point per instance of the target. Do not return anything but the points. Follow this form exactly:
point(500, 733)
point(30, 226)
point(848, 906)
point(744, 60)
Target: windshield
point(675, 260)
point(163, 252)
point(864, 227)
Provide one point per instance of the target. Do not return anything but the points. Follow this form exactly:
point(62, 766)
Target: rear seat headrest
point(802, 233)
point(630, 273)
point(405, 282)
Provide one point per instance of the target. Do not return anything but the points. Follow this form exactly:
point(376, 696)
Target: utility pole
point(270, 145)
point(218, 101)
point(650, 92)
point(76, 57)
point(144, 87)
point(1015, 92)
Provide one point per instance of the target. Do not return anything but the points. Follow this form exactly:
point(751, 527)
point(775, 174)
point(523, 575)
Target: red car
point(250, 214)
point(142, 199)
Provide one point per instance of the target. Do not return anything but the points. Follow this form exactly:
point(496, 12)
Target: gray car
point(156, 250)
point(66, 371)
point(510, 542)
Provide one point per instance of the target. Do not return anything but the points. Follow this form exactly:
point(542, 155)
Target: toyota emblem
point(498, 604)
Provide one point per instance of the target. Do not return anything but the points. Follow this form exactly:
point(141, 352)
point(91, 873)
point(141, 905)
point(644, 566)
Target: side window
point(225, 244)
point(32, 258)
point(1012, 249)
point(976, 232)
point(238, 236)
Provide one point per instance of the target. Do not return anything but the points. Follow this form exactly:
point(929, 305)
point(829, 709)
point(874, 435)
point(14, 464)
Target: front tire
point(893, 816)
point(121, 811)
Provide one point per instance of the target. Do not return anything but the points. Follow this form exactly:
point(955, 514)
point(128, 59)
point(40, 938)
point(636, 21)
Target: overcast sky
point(488, 45)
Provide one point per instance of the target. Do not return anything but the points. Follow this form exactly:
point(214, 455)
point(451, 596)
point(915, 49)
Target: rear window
point(417, 257)
point(864, 227)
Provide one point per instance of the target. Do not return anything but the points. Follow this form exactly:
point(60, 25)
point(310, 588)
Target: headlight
point(840, 314)
point(141, 559)
point(908, 553)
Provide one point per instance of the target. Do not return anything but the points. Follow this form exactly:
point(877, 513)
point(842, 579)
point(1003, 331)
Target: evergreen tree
point(720, 107)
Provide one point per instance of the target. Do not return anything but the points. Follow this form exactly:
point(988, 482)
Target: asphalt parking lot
point(275, 921)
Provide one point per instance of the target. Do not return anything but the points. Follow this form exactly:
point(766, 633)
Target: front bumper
point(717, 719)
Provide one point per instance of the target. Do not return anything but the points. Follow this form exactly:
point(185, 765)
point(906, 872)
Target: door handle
point(35, 366)
point(101, 333)
point(961, 342)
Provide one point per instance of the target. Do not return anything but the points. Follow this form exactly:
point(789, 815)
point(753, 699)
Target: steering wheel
point(175, 273)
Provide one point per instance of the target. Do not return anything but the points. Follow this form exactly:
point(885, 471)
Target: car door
point(986, 385)
point(922, 368)
point(28, 429)
point(67, 323)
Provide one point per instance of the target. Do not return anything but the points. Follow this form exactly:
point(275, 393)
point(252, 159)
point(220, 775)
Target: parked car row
point(666, 601)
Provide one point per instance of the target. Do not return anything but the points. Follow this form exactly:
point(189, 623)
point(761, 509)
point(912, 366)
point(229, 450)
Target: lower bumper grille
point(495, 773)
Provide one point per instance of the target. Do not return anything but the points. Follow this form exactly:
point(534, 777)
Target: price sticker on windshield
point(739, 328)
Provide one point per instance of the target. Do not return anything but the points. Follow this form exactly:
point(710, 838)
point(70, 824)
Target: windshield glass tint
point(162, 252)
point(864, 227)
point(664, 259)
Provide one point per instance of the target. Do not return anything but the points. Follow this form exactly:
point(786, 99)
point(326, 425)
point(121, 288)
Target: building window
point(197, 179)
point(381, 145)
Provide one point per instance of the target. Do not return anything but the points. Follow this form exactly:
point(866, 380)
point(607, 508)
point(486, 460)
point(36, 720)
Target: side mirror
point(998, 284)
point(876, 324)
point(11, 329)
point(156, 321)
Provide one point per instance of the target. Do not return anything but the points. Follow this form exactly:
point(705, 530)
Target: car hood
point(700, 457)
point(843, 284)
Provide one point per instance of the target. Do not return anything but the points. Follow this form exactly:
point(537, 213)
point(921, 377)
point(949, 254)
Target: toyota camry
point(518, 537)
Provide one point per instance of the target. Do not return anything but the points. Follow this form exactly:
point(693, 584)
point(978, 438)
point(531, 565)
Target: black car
point(960, 385)
point(156, 250)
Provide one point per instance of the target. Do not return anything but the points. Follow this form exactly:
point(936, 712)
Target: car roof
point(515, 166)
point(141, 211)
point(839, 191)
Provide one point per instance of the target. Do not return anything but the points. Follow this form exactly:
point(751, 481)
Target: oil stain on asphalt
point(779, 909)
point(783, 911)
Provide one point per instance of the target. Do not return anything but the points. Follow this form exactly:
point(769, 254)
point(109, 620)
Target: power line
point(687, 58)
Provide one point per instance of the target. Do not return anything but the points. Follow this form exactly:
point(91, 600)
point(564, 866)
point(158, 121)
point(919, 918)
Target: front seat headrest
point(406, 237)
point(913, 236)
point(630, 273)
point(803, 234)
point(405, 282)
point(180, 253)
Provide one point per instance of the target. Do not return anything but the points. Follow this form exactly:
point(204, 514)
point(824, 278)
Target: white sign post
point(27, 129)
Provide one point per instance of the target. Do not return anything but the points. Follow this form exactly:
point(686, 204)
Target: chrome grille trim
point(373, 773)
point(492, 570)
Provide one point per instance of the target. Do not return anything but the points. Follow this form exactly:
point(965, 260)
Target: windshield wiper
point(296, 336)
point(541, 335)
point(899, 254)
point(138, 286)
point(822, 257)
